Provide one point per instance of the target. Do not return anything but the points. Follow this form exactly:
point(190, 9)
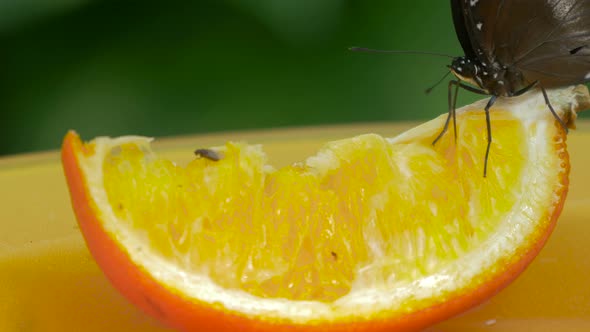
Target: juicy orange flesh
point(385, 213)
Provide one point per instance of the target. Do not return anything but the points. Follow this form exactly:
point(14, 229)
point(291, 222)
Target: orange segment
point(370, 233)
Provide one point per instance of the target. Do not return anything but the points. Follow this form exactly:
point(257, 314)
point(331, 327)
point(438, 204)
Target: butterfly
point(513, 46)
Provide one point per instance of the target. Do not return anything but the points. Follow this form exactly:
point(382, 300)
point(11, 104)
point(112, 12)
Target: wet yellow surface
point(49, 282)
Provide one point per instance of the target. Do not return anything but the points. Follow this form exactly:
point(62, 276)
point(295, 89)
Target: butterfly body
point(492, 78)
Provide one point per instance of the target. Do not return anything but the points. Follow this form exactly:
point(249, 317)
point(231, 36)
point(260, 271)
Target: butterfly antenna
point(370, 50)
point(429, 90)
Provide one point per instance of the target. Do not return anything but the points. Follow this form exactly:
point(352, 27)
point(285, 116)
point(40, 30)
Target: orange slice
point(370, 234)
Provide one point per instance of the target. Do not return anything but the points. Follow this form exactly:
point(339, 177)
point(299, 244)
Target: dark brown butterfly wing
point(461, 28)
point(547, 40)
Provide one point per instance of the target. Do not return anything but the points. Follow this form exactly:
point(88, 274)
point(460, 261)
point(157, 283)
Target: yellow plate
point(49, 281)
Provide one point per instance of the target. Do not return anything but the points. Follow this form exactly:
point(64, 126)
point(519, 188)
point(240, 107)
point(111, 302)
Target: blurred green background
point(176, 68)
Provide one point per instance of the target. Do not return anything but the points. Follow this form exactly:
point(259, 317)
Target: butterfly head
point(467, 70)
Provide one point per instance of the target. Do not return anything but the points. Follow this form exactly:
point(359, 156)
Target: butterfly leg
point(452, 98)
point(563, 125)
point(525, 89)
point(452, 104)
point(489, 130)
point(547, 102)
